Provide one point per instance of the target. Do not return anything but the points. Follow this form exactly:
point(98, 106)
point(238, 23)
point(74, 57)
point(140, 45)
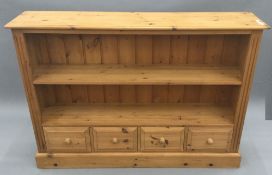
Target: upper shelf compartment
point(136, 75)
point(134, 59)
point(192, 50)
point(141, 21)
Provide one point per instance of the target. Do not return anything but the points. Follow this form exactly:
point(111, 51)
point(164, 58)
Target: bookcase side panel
point(31, 95)
point(244, 92)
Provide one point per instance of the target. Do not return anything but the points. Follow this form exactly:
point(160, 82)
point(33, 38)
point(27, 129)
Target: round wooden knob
point(162, 140)
point(68, 141)
point(114, 140)
point(210, 141)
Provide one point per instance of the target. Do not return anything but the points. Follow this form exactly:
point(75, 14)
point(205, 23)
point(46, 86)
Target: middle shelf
point(138, 114)
point(136, 75)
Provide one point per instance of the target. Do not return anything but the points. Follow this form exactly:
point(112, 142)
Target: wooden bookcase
point(120, 89)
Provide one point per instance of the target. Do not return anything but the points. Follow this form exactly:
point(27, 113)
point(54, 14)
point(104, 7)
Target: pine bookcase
point(137, 89)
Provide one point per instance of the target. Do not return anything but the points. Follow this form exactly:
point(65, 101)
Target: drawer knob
point(162, 140)
point(68, 141)
point(114, 140)
point(210, 141)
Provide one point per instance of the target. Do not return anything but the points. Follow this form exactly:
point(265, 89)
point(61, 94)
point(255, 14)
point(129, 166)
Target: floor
point(17, 147)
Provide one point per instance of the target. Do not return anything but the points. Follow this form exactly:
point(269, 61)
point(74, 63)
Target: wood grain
point(31, 94)
point(92, 49)
point(164, 139)
point(159, 160)
point(134, 20)
point(250, 63)
point(141, 82)
point(67, 139)
point(198, 139)
point(137, 114)
point(136, 75)
point(115, 139)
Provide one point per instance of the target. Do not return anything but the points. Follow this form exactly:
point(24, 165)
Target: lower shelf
point(137, 114)
point(127, 160)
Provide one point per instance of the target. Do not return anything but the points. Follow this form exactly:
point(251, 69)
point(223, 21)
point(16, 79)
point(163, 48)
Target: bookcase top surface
point(72, 20)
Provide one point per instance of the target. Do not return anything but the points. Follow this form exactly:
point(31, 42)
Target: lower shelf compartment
point(137, 114)
point(137, 160)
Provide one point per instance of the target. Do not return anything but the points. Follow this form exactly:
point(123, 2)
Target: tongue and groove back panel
point(224, 50)
point(79, 94)
point(192, 50)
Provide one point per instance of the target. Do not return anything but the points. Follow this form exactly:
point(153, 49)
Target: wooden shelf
point(136, 75)
point(137, 114)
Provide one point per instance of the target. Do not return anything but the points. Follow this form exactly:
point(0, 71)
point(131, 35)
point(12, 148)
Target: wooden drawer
point(115, 138)
point(211, 139)
point(162, 138)
point(67, 139)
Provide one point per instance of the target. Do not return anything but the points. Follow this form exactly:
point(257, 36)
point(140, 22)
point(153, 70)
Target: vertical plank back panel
point(127, 94)
point(63, 94)
point(37, 49)
point(47, 95)
point(79, 94)
point(74, 55)
point(214, 49)
point(207, 94)
point(196, 49)
point(109, 49)
point(56, 49)
point(226, 50)
point(143, 56)
point(160, 94)
point(143, 50)
point(161, 55)
point(57, 54)
point(161, 49)
point(179, 47)
point(175, 94)
point(224, 95)
point(144, 94)
point(96, 94)
point(126, 48)
point(196, 55)
point(191, 94)
point(73, 49)
point(230, 51)
point(112, 94)
point(127, 57)
point(140, 50)
point(92, 49)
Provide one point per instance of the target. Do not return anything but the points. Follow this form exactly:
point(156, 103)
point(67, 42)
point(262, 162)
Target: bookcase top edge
point(168, 21)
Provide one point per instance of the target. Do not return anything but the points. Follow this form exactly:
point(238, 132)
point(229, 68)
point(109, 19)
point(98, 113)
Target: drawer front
point(115, 139)
point(162, 138)
point(67, 139)
point(211, 139)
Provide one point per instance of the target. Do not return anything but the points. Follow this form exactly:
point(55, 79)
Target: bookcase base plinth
point(138, 160)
